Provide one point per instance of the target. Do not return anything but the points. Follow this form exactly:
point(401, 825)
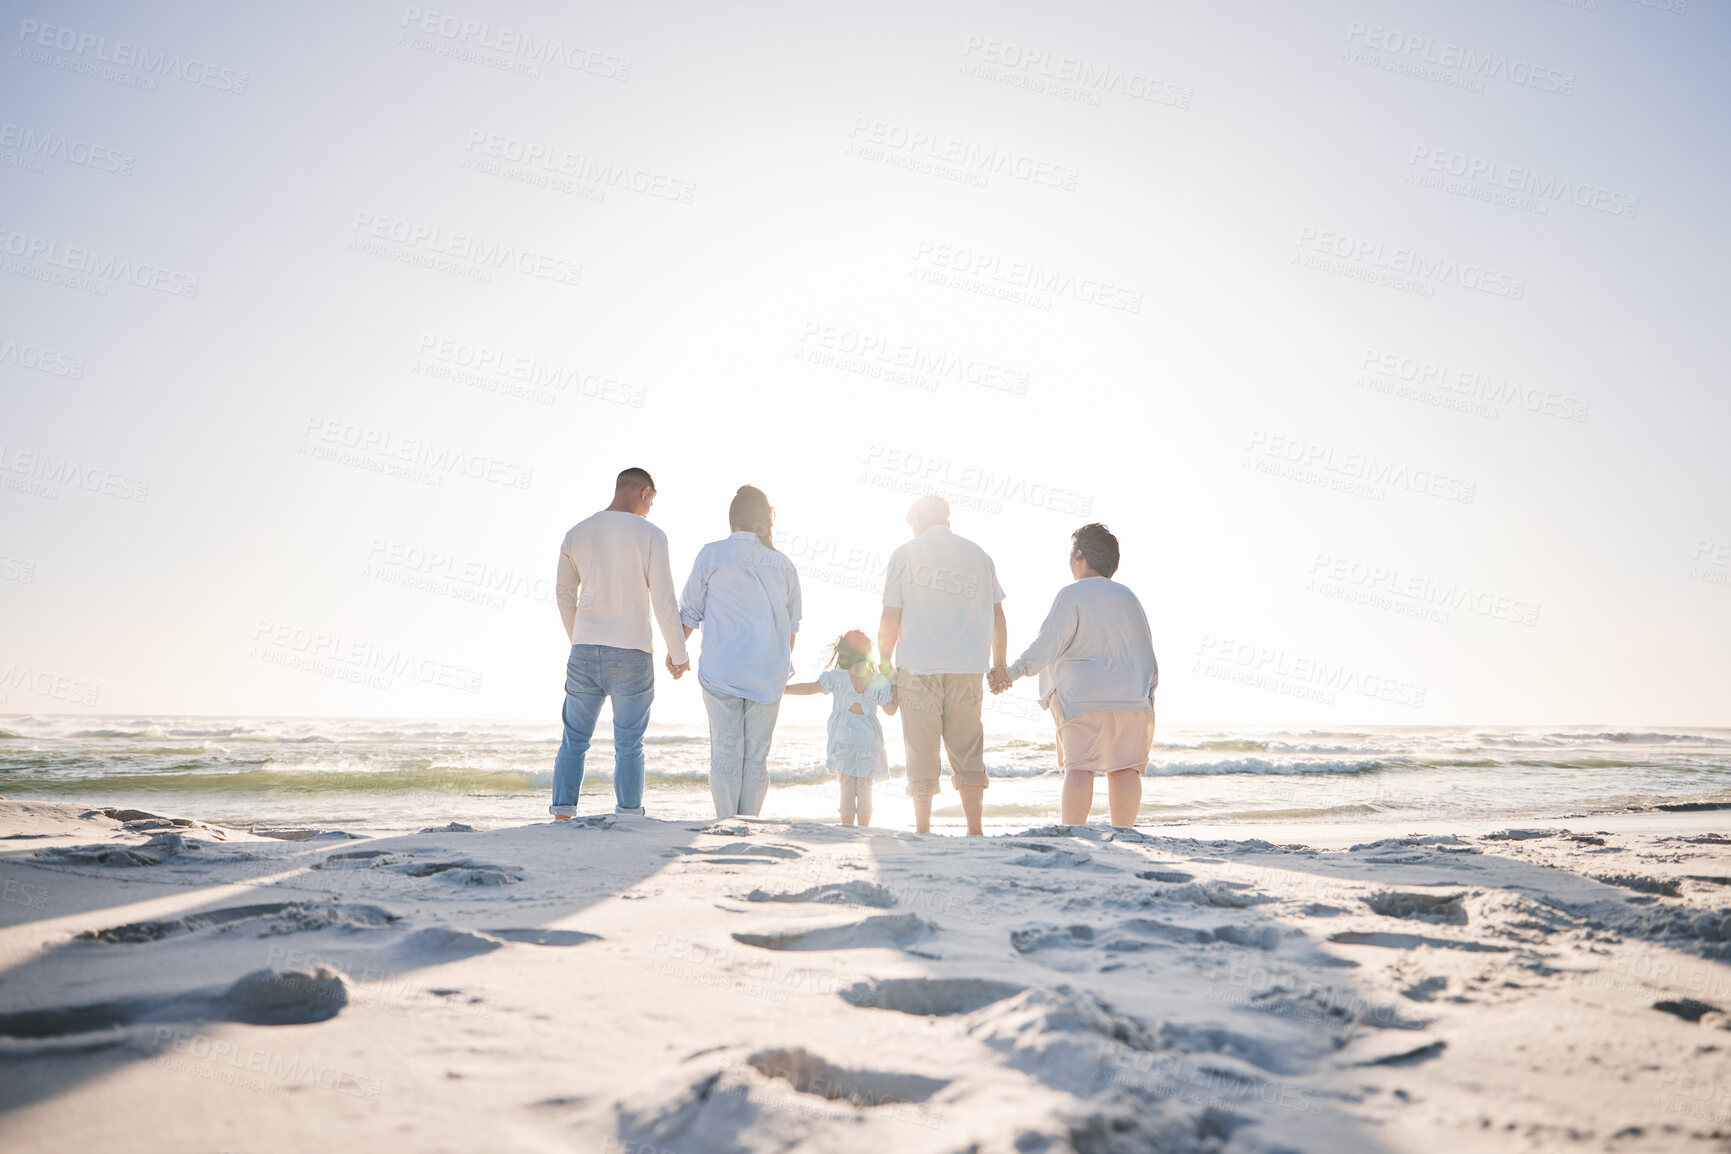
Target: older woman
point(744, 595)
point(1095, 660)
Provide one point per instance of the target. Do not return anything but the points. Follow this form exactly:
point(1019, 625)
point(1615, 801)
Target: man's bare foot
point(561, 817)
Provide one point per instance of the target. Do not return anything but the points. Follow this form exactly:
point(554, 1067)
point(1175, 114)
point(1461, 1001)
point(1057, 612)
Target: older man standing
point(942, 628)
point(613, 576)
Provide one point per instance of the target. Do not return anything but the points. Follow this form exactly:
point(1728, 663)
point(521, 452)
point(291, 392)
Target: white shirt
point(1094, 651)
point(745, 598)
point(945, 586)
point(613, 574)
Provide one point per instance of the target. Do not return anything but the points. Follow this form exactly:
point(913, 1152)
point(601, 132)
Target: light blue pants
point(739, 733)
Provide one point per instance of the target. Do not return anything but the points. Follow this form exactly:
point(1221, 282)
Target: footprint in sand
point(262, 998)
point(809, 1074)
point(937, 997)
point(894, 931)
point(1411, 942)
point(1444, 909)
point(269, 920)
point(852, 893)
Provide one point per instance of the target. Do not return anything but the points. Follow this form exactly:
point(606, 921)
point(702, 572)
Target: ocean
point(403, 774)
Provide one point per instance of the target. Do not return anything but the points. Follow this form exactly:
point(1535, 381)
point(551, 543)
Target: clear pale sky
point(1272, 290)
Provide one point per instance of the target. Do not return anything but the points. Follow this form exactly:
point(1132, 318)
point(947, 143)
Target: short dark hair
point(634, 478)
point(1097, 546)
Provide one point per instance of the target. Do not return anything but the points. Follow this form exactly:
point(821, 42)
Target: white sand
point(619, 984)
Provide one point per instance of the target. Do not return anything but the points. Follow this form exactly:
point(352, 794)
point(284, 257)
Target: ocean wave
point(1261, 766)
point(299, 781)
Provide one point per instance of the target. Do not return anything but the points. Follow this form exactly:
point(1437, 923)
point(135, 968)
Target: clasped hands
point(679, 670)
point(998, 678)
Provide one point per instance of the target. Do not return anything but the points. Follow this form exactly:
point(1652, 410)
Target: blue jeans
point(596, 672)
point(739, 733)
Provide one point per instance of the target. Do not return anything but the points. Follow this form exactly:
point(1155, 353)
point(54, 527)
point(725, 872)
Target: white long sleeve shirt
point(1095, 653)
point(613, 577)
point(745, 598)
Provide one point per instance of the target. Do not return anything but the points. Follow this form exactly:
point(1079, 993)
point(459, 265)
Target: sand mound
point(157, 850)
point(286, 997)
point(436, 944)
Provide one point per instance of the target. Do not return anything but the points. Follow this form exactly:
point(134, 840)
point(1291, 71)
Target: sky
point(1384, 335)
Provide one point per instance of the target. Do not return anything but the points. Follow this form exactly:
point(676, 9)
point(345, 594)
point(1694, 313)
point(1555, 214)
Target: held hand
point(998, 678)
point(678, 671)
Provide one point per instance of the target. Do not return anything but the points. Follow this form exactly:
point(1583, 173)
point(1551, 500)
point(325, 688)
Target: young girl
point(856, 738)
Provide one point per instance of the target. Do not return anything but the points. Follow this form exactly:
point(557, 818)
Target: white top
point(1094, 651)
point(745, 597)
point(945, 586)
point(613, 574)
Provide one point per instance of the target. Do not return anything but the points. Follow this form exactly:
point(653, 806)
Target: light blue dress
point(856, 740)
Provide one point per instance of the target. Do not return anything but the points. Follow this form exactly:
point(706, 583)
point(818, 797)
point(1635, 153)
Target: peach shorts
point(1104, 742)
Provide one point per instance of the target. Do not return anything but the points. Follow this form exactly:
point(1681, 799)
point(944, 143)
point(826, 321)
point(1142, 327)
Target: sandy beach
point(632, 985)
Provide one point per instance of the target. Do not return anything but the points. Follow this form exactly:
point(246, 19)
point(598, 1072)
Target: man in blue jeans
point(613, 576)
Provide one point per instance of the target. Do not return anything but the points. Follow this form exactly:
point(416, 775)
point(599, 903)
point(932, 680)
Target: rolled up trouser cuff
point(942, 710)
point(563, 810)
